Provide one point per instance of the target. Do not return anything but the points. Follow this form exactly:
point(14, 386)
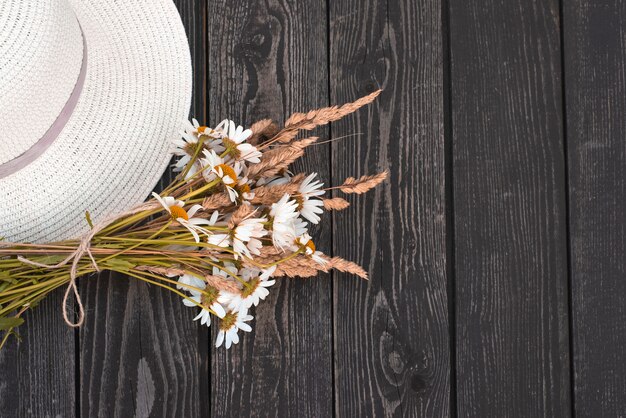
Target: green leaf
point(6, 323)
point(5, 274)
point(51, 259)
point(120, 265)
point(4, 285)
point(88, 218)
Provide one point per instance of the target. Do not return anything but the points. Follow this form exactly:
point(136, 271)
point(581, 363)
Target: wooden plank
point(391, 334)
point(37, 375)
point(509, 209)
point(595, 63)
point(268, 59)
point(141, 354)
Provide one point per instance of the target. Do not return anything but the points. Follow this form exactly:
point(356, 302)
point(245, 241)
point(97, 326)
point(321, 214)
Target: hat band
point(43, 143)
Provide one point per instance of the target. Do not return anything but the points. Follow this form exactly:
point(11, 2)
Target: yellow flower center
point(202, 130)
point(310, 245)
point(252, 286)
point(228, 321)
point(178, 212)
point(244, 188)
point(299, 200)
point(227, 171)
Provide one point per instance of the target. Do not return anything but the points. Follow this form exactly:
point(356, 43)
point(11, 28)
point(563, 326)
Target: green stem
point(137, 276)
point(202, 189)
point(194, 158)
point(132, 247)
point(10, 330)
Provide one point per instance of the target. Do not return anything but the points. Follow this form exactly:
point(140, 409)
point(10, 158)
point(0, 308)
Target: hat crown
point(41, 52)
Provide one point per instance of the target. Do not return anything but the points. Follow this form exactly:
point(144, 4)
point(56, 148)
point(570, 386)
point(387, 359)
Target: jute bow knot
point(84, 248)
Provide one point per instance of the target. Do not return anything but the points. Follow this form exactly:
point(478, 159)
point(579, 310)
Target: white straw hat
point(92, 93)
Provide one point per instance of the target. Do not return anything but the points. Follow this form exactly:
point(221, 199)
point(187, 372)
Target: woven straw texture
point(115, 146)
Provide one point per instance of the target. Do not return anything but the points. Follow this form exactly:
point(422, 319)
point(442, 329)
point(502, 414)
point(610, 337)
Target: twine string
point(83, 248)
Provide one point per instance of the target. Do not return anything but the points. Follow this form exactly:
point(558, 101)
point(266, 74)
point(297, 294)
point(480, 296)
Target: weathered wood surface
point(267, 60)
point(509, 210)
point(468, 310)
point(37, 375)
point(595, 64)
point(392, 334)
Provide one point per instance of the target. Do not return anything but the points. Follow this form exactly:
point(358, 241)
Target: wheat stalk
point(363, 183)
point(198, 238)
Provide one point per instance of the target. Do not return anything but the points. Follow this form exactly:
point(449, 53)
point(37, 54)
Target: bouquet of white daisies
point(233, 221)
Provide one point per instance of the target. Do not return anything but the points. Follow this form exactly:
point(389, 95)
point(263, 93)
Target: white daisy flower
point(184, 151)
point(283, 216)
point(185, 218)
point(187, 280)
point(196, 130)
point(300, 227)
point(230, 324)
point(185, 147)
point(220, 240)
point(234, 141)
point(310, 188)
point(226, 273)
point(307, 243)
point(309, 207)
point(219, 169)
point(246, 236)
point(208, 299)
point(204, 316)
point(244, 190)
point(255, 290)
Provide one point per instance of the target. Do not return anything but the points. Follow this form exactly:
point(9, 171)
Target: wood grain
point(268, 59)
point(595, 63)
point(139, 351)
point(37, 375)
point(509, 209)
point(466, 312)
point(391, 335)
point(141, 354)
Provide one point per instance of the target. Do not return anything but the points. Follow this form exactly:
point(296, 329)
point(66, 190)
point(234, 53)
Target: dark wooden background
point(496, 250)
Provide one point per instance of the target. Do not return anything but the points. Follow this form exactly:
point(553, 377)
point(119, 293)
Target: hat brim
point(117, 143)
